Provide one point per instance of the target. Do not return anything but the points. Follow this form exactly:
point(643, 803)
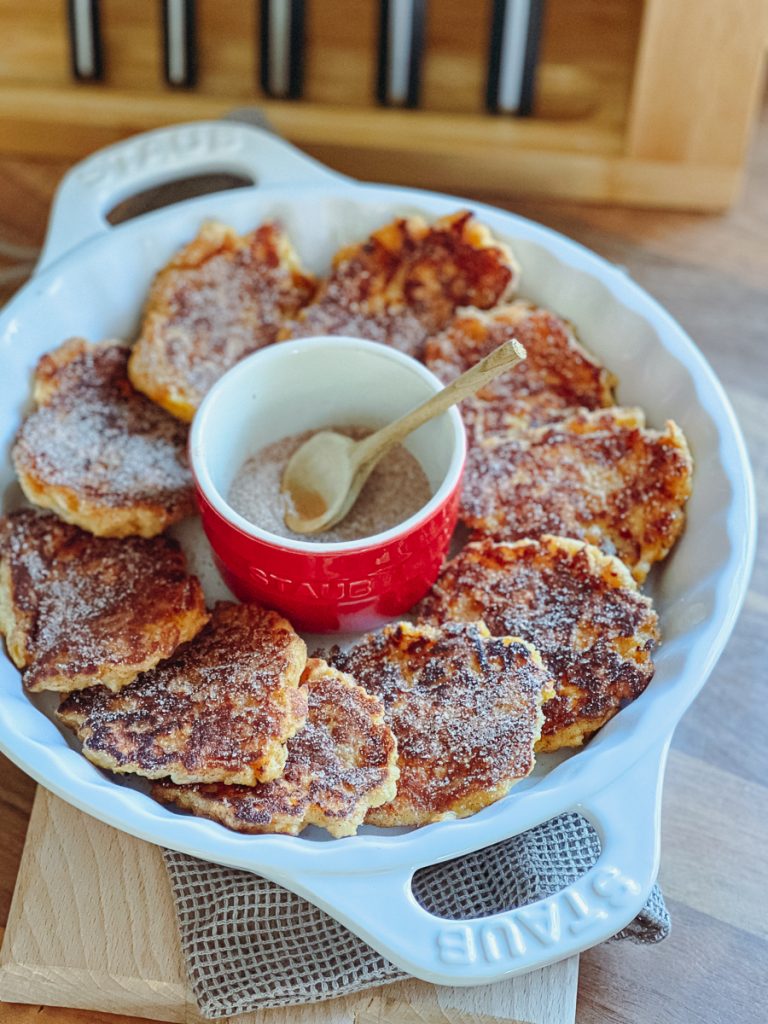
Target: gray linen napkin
point(250, 944)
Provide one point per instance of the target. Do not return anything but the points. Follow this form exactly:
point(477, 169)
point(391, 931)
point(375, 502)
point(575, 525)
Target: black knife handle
point(179, 19)
point(85, 45)
point(282, 73)
point(407, 19)
point(513, 56)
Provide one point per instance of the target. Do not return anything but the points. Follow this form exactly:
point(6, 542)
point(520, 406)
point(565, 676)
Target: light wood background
point(93, 926)
point(712, 273)
point(645, 102)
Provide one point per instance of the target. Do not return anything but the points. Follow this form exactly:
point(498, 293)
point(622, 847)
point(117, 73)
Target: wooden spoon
point(325, 476)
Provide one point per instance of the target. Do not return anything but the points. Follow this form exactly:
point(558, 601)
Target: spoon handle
point(503, 358)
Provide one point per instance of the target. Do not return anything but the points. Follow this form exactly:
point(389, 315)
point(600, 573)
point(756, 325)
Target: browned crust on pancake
point(98, 453)
point(16, 621)
point(464, 708)
point(406, 281)
point(81, 611)
point(558, 376)
point(600, 477)
point(220, 710)
point(580, 608)
point(220, 298)
point(341, 763)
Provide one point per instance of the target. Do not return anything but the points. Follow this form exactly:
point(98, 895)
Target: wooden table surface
point(711, 272)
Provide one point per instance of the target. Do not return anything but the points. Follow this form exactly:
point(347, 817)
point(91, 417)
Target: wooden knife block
point(647, 102)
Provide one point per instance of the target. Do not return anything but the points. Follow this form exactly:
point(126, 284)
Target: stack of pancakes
point(532, 638)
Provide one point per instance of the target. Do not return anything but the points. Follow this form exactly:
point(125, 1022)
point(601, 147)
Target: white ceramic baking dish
point(92, 280)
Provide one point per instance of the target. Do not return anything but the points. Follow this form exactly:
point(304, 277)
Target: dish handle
point(95, 185)
point(381, 908)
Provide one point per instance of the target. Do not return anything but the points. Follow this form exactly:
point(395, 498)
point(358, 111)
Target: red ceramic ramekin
point(296, 386)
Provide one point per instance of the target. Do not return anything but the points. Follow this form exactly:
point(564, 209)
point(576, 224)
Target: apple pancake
point(601, 477)
point(557, 377)
point(407, 279)
point(220, 710)
point(580, 608)
point(220, 298)
point(343, 762)
point(465, 708)
point(98, 453)
point(82, 611)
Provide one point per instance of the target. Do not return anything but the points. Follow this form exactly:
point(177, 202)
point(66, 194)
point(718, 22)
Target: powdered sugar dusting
point(220, 299)
point(339, 764)
point(406, 281)
point(219, 710)
point(581, 611)
point(98, 437)
point(597, 476)
point(464, 708)
point(91, 606)
point(556, 377)
point(394, 325)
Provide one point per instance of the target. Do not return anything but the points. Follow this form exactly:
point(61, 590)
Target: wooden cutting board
point(92, 926)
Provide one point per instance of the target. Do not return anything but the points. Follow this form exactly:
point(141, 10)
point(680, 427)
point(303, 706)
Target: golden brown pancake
point(341, 763)
point(558, 376)
point(220, 298)
point(465, 709)
point(405, 282)
point(580, 608)
point(220, 710)
point(600, 477)
point(81, 611)
point(98, 453)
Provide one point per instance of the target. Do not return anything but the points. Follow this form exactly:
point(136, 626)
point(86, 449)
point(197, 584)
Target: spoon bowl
point(320, 482)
